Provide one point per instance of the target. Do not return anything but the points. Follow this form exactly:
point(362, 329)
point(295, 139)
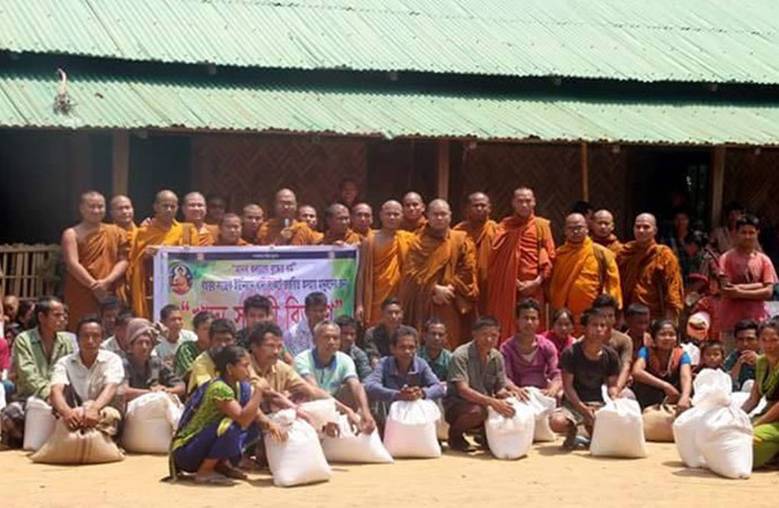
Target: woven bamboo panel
point(608, 183)
point(552, 171)
point(252, 168)
point(752, 179)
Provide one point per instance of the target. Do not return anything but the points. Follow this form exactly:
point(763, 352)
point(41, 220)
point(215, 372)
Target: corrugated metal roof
point(646, 40)
point(26, 100)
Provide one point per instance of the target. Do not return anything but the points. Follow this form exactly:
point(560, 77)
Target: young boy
point(435, 348)
point(712, 356)
point(740, 363)
point(587, 365)
point(173, 334)
point(349, 332)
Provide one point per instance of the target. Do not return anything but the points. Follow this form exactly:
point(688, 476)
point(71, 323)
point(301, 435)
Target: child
point(712, 356)
point(587, 365)
point(740, 363)
point(560, 334)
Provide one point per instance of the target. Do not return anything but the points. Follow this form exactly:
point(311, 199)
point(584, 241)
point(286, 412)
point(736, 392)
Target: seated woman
point(766, 433)
point(560, 334)
point(143, 372)
point(663, 371)
point(220, 418)
point(530, 359)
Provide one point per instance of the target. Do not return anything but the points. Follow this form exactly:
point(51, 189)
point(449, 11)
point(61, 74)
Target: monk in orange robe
point(650, 272)
point(362, 220)
point(481, 230)
point(283, 229)
point(439, 276)
point(414, 219)
point(603, 231)
point(307, 214)
point(95, 256)
point(520, 261)
point(230, 232)
point(194, 209)
point(382, 257)
point(338, 230)
point(251, 219)
point(582, 271)
point(163, 230)
point(123, 215)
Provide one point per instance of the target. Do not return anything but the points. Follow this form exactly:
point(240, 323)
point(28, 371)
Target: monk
point(362, 220)
point(95, 256)
point(603, 231)
point(582, 271)
point(439, 277)
point(216, 206)
point(338, 230)
point(650, 272)
point(382, 257)
point(230, 232)
point(252, 217)
point(283, 229)
point(307, 214)
point(123, 215)
point(194, 209)
point(163, 230)
point(520, 261)
point(481, 230)
point(414, 219)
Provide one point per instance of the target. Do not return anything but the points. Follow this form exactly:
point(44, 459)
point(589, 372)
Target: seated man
point(109, 310)
point(618, 341)
point(299, 337)
point(587, 365)
point(34, 354)
point(637, 326)
point(349, 329)
point(435, 348)
point(531, 359)
point(144, 373)
point(377, 338)
point(256, 309)
point(477, 380)
point(84, 384)
point(173, 335)
point(326, 367)
point(191, 349)
point(740, 363)
point(117, 343)
point(404, 375)
point(221, 334)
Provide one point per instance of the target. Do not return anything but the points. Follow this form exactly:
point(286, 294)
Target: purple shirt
point(536, 371)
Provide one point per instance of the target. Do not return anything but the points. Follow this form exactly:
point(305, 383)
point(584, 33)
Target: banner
point(219, 279)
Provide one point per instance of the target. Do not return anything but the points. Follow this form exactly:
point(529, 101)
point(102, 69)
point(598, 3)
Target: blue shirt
point(385, 382)
point(329, 377)
point(644, 353)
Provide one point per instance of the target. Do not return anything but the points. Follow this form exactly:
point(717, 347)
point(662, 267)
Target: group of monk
point(453, 273)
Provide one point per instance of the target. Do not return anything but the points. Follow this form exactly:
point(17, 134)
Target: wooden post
point(120, 162)
point(717, 184)
point(442, 180)
point(585, 169)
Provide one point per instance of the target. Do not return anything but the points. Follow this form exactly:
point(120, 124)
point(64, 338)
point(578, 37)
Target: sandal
point(231, 472)
point(214, 479)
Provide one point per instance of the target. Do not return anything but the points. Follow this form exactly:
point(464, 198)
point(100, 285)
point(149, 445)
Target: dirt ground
point(547, 477)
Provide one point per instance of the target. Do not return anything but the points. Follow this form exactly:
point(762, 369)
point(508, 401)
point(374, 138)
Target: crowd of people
point(468, 315)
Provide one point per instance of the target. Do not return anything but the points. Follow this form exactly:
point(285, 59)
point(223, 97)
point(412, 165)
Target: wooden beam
point(443, 167)
point(120, 162)
point(717, 184)
point(585, 170)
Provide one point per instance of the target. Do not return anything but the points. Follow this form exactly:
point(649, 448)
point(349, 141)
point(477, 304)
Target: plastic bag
point(150, 422)
point(542, 408)
point(352, 447)
point(618, 430)
point(39, 423)
point(510, 438)
point(411, 429)
point(299, 459)
point(322, 412)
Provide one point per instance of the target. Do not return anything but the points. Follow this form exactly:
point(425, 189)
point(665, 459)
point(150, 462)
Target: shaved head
point(439, 216)
point(122, 212)
point(337, 217)
point(479, 208)
point(92, 207)
point(194, 195)
point(307, 214)
point(166, 204)
point(647, 217)
point(413, 207)
point(230, 229)
point(602, 225)
point(92, 194)
point(252, 217)
point(575, 228)
point(165, 194)
point(645, 228)
point(286, 204)
point(362, 218)
point(524, 202)
point(194, 208)
point(391, 214)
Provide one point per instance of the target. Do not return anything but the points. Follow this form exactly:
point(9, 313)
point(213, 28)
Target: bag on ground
point(510, 438)
point(618, 430)
point(299, 459)
point(92, 446)
point(715, 433)
point(352, 447)
point(411, 429)
point(658, 423)
point(39, 423)
point(150, 422)
point(321, 412)
point(542, 408)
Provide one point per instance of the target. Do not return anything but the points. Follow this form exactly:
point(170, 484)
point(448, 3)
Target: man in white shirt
point(299, 337)
point(84, 384)
point(173, 335)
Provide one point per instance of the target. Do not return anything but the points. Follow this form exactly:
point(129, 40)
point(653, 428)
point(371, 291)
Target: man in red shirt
point(747, 277)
